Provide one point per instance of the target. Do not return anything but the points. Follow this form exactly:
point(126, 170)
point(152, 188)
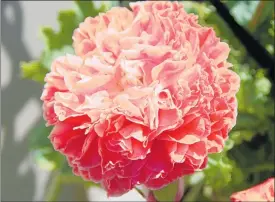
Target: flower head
point(147, 98)
point(260, 192)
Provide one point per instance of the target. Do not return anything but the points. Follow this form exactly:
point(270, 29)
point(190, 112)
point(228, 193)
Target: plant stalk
point(54, 188)
point(180, 191)
point(151, 197)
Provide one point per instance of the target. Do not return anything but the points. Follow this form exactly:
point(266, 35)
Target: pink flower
point(147, 98)
point(260, 192)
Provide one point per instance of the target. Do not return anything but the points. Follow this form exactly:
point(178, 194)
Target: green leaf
point(218, 171)
point(199, 9)
point(244, 119)
point(254, 105)
point(33, 70)
point(56, 40)
point(48, 158)
point(88, 8)
point(38, 136)
point(42, 149)
point(42, 161)
point(68, 22)
point(167, 193)
point(239, 136)
point(263, 85)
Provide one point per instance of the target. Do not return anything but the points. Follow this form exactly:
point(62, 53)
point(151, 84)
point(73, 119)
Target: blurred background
point(34, 33)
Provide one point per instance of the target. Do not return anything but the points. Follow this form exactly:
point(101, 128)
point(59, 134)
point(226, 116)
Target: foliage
point(249, 159)
point(249, 153)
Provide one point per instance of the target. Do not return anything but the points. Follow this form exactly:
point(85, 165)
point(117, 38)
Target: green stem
point(151, 197)
point(54, 187)
point(194, 192)
point(256, 16)
point(180, 191)
point(140, 192)
point(147, 194)
point(81, 193)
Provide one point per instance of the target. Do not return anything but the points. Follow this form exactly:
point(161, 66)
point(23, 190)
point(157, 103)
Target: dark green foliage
point(251, 159)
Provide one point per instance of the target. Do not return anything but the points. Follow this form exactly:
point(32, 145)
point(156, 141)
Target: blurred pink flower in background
point(147, 98)
point(260, 192)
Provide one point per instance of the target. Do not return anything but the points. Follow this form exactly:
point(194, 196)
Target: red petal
point(74, 146)
point(95, 174)
point(260, 192)
point(131, 170)
point(159, 159)
point(63, 132)
point(90, 153)
point(179, 170)
point(117, 186)
point(110, 160)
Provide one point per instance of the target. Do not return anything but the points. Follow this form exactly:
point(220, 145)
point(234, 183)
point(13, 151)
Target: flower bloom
point(148, 95)
point(260, 192)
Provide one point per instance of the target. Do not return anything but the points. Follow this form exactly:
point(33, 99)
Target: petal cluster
point(148, 95)
point(260, 192)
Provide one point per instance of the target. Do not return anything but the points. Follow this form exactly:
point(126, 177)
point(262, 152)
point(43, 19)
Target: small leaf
point(239, 136)
point(50, 37)
point(43, 162)
point(218, 171)
point(56, 40)
point(33, 70)
point(263, 86)
point(229, 144)
point(38, 136)
point(88, 8)
point(42, 149)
